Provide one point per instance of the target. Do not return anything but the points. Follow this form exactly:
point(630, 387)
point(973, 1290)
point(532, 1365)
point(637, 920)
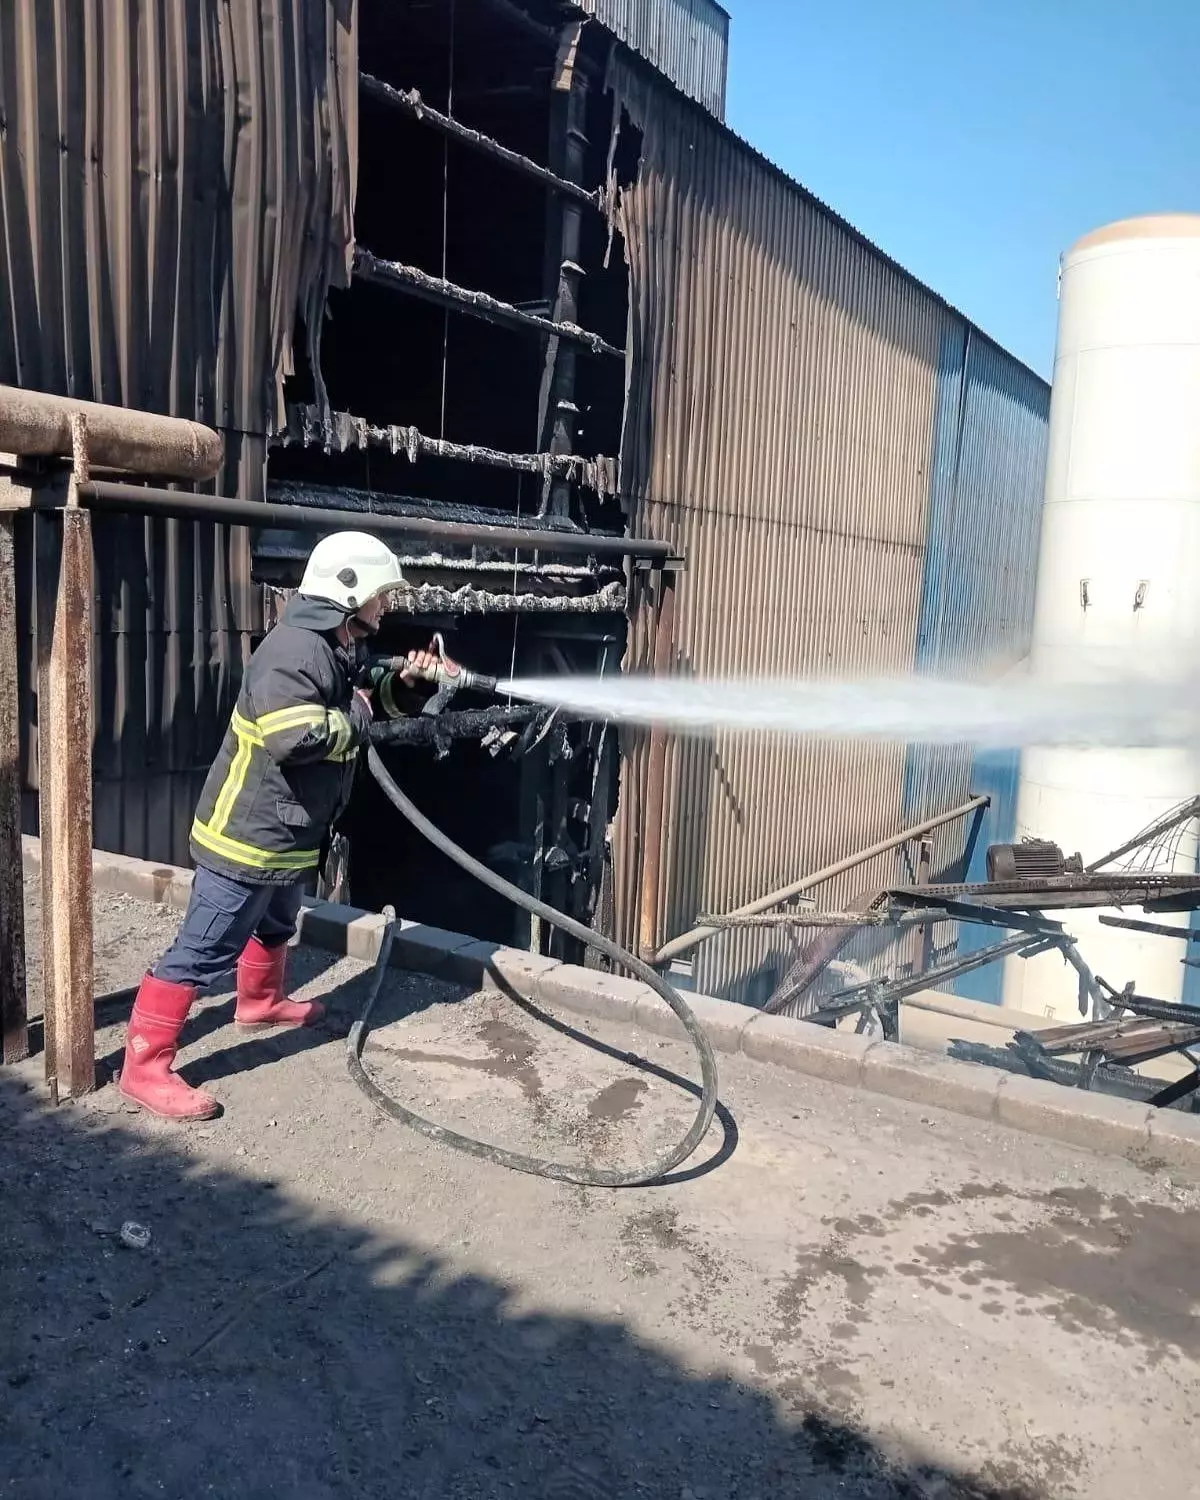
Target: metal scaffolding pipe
point(689, 940)
point(418, 283)
point(34, 424)
point(1156, 929)
point(411, 103)
point(890, 917)
point(180, 504)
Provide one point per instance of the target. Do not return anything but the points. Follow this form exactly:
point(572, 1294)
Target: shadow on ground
point(257, 1350)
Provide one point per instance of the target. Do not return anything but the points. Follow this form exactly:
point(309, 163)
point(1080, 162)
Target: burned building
point(501, 263)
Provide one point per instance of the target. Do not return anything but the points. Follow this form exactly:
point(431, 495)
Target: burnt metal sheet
point(784, 382)
point(175, 181)
point(1152, 892)
point(685, 40)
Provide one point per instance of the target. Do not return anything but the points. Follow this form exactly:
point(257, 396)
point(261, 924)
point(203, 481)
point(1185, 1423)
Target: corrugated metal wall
point(176, 181)
point(686, 40)
point(783, 429)
point(985, 524)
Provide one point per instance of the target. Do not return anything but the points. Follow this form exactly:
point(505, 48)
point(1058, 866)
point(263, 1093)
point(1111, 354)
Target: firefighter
point(282, 777)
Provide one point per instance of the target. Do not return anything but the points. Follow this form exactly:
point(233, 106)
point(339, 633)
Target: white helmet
point(349, 569)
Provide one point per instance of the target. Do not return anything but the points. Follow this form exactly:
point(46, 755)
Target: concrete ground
point(841, 1296)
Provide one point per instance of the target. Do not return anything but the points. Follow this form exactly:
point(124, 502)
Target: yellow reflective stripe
point(302, 715)
point(343, 730)
point(390, 706)
point(235, 780)
point(246, 727)
point(245, 854)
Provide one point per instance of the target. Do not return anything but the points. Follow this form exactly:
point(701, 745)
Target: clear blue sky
point(975, 140)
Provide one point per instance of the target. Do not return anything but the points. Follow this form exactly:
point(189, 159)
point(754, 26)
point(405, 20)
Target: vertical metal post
point(925, 931)
point(540, 769)
point(48, 565)
point(604, 762)
point(664, 642)
point(65, 765)
point(14, 1031)
point(558, 411)
point(534, 774)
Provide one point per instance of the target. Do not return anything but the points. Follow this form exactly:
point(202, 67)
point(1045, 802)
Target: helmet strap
point(359, 628)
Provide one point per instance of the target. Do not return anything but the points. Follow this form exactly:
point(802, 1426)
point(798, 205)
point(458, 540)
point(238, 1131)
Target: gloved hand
point(420, 663)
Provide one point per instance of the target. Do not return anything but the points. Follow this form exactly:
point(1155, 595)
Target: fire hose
point(581, 1175)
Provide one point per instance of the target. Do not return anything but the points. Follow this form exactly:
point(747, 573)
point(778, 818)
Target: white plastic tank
point(1118, 590)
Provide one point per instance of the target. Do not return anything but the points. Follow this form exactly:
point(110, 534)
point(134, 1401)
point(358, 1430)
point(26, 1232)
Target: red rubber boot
point(158, 1015)
point(261, 999)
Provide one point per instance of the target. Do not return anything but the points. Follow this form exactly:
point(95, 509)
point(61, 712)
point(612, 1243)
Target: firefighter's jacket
point(285, 769)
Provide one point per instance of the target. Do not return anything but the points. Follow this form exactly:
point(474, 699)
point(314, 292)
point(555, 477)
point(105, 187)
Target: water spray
point(1014, 713)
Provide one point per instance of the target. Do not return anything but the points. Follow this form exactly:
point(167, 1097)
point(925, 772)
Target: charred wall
point(175, 180)
point(183, 189)
point(415, 389)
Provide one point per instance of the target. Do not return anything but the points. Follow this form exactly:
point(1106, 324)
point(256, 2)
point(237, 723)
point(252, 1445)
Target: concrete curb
point(1154, 1139)
point(160, 884)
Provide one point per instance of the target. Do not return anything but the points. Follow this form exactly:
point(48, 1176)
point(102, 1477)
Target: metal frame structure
point(63, 498)
point(1140, 1030)
point(41, 427)
point(1126, 1029)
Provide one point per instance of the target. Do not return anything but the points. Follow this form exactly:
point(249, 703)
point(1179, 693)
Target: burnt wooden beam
point(64, 587)
point(464, 724)
point(410, 103)
point(14, 1029)
point(342, 431)
point(418, 283)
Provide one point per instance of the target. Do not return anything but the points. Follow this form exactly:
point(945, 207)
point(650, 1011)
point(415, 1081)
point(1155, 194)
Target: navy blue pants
point(222, 916)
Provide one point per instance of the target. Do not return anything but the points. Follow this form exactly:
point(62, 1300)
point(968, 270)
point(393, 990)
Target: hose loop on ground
point(441, 1135)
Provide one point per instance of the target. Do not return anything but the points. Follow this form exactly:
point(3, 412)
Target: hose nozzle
point(451, 675)
point(445, 673)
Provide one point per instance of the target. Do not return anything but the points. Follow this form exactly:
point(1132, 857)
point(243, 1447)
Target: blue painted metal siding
point(985, 513)
point(1191, 977)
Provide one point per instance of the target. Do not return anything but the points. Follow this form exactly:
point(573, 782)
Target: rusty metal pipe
point(689, 940)
point(34, 424)
point(184, 506)
point(664, 641)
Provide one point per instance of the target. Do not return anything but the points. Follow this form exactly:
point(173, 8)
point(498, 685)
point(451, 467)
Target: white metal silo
point(1118, 590)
